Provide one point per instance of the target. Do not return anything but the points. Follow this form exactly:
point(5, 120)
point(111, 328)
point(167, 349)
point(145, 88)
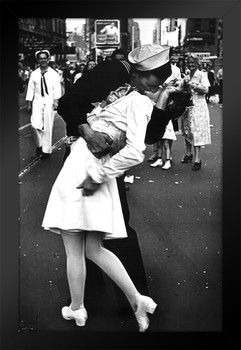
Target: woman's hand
point(161, 102)
point(153, 95)
point(55, 105)
point(200, 89)
point(89, 187)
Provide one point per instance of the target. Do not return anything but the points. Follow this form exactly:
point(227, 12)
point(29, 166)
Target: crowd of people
point(24, 72)
point(112, 108)
point(68, 71)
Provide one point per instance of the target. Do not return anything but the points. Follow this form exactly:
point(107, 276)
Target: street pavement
point(177, 214)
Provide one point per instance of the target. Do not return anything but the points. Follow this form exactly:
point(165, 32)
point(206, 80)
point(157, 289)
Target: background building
point(77, 41)
point(200, 35)
point(129, 37)
point(42, 33)
point(170, 31)
point(204, 37)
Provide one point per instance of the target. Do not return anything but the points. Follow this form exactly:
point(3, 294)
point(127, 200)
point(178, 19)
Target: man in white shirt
point(111, 32)
point(176, 73)
point(44, 90)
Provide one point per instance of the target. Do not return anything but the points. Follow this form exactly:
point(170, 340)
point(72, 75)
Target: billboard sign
point(107, 32)
point(203, 56)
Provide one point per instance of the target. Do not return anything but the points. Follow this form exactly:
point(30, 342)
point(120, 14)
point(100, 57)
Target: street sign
point(107, 32)
point(203, 56)
point(32, 46)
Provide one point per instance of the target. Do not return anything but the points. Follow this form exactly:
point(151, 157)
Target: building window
point(212, 24)
point(59, 27)
point(62, 28)
point(53, 23)
point(172, 25)
point(42, 23)
point(197, 25)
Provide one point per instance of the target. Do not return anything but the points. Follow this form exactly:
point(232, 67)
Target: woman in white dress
point(196, 120)
point(84, 205)
point(164, 147)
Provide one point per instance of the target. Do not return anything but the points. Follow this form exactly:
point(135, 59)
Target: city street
point(177, 214)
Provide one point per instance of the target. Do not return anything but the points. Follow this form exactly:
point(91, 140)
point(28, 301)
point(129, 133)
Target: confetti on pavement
point(129, 179)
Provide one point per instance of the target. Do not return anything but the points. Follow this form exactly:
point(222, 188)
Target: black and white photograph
point(144, 213)
point(122, 177)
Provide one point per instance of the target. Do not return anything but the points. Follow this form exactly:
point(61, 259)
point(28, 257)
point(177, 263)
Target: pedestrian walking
point(78, 71)
point(26, 76)
point(84, 205)
point(100, 59)
point(67, 77)
point(196, 120)
point(43, 92)
point(89, 65)
point(163, 149)
point(164, 146)
point(211, 78)
point(20, 78)
point(219, 78)
point(118, 54)
point(59, 70)
point(173, 79)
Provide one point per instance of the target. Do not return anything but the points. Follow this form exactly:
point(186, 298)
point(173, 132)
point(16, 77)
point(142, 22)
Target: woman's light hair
point(195, 58)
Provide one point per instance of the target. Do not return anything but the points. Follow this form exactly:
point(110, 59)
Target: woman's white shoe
point(144, 305)
point(158, 162)
point(80, 316)
point(167, 165)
